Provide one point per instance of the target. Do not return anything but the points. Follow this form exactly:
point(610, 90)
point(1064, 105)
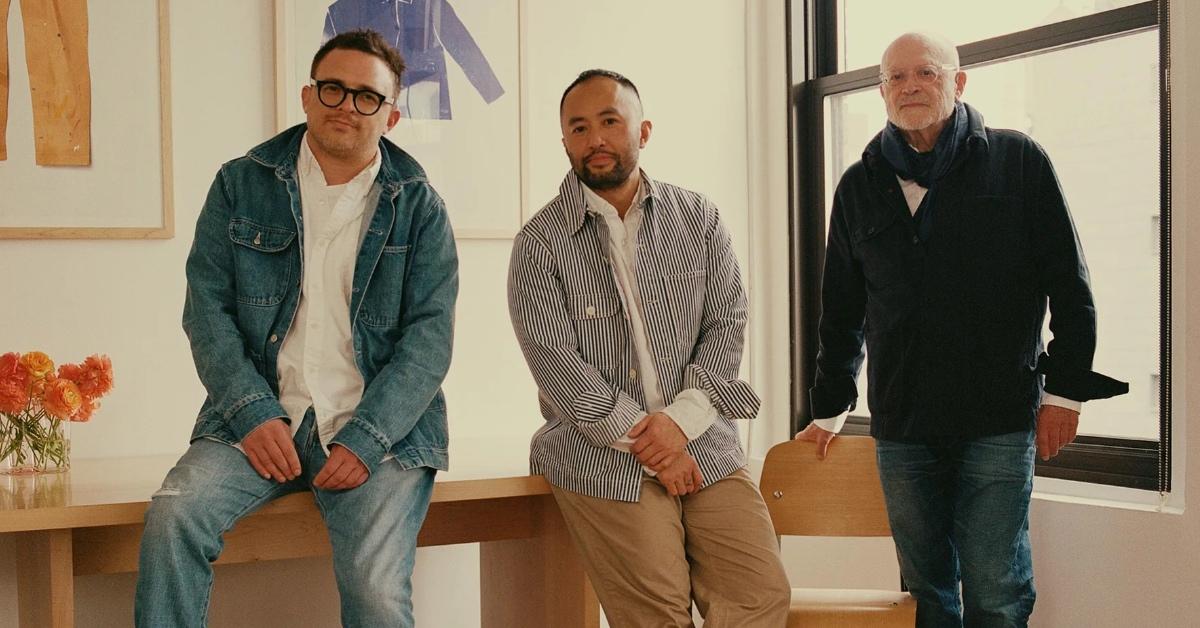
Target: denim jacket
point(243, 287)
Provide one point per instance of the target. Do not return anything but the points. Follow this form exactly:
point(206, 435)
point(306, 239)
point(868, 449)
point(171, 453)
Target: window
point(1083, 78)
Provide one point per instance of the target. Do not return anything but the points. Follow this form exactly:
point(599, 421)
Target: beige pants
point(647, 560)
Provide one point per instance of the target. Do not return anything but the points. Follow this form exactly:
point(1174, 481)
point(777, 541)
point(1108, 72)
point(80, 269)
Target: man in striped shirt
point(628, 305)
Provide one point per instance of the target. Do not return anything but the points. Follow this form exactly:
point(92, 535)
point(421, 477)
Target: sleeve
point(457, 40)
point(237, 389)
point(840, 332)
point(692, 411)
point(717, 354)
point(832, 424)
point(401, 392)
point(575, 390)
point(1063, 276)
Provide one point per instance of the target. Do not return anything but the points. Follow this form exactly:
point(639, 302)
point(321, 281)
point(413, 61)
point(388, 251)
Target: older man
point(320, 301)
point(628, 304)
point(945, 243)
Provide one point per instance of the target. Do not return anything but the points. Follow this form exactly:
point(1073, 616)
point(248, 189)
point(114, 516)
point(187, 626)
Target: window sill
point(1088, 494)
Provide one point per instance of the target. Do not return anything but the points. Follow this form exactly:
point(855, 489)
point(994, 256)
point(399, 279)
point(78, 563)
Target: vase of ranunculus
point(38, 405)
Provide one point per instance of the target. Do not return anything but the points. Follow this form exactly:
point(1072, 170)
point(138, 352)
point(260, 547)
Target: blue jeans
point(960, 517)
point(372, 528)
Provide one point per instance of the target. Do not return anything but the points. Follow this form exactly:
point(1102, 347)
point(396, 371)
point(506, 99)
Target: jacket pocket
point(881, 247)
point(685, 294)
point(385, 292)
point(263, 266)
point(599, 327)
point(996, 241)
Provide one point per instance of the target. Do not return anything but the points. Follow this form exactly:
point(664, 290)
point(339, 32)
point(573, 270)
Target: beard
point(614, 177)
point(939, 108)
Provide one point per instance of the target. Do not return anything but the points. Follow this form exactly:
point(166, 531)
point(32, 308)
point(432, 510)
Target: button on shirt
point(317, 365)
point(691, 409)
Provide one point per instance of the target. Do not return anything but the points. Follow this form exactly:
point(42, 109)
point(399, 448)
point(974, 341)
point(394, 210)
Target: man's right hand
point(821, 437)
point(271, 452)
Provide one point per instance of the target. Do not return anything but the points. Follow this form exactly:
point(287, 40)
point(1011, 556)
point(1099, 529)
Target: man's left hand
point(342, 471)
point(1055, 428)
point(657, 441)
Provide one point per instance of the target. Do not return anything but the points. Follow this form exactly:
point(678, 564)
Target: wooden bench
point(89, 521)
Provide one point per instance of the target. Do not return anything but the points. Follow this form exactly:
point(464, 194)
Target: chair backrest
point(838, 496)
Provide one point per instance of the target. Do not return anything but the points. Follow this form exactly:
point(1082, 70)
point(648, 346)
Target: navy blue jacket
point(953, 324)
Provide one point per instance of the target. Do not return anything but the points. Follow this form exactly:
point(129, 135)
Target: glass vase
point(33, 444)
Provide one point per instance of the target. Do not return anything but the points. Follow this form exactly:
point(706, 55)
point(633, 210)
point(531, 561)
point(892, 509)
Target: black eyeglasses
point(332, 94)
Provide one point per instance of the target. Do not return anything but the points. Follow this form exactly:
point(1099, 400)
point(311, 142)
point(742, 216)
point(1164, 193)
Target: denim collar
point(280, 153)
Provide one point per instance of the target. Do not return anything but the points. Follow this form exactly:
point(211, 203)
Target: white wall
point(124, 298)
point(1095, 566)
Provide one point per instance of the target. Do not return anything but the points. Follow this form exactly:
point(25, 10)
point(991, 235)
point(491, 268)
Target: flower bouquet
point(37, 405)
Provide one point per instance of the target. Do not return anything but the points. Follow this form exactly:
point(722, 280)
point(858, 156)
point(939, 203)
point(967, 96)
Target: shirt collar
point(575, 206)
point(309, 168)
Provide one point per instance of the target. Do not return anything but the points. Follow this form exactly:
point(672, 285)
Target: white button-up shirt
point(691, 409)
point(317, 365)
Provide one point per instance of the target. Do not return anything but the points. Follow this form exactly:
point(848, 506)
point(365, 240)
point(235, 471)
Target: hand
point(271, 451)
point(822, 437)
point(342, 471)
point(682, 476)
point(658, 441)
point(1055, 428)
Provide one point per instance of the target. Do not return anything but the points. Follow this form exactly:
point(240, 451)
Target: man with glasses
point(628, 305)
point(320, 294)
point(946, 242)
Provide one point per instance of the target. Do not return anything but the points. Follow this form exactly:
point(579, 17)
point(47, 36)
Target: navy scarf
point(926, 168)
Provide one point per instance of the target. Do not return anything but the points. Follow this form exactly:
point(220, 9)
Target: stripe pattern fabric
point(575, 334)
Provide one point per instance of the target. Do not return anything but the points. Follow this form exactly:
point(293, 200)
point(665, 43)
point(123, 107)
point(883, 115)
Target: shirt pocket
point(599, 327)
point(263, 265)
point(385, 291)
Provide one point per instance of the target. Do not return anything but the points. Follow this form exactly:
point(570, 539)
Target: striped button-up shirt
point(570, 321)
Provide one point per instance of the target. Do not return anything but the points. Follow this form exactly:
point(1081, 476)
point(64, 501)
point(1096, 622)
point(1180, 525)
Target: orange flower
point(37, 363)
point(14, 396)
point(62, 398)
point(14, 384)
point(97, 376)
point(85, 410)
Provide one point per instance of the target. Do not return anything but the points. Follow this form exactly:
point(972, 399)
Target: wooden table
point(89, 521)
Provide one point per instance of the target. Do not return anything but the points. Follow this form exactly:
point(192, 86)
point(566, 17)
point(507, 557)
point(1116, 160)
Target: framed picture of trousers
point(460, 97)
point(85, 120)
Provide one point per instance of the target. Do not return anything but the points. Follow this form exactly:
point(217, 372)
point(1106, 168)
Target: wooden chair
point(838, 496)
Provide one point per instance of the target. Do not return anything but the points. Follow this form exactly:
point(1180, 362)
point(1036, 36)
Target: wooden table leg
point(45, 579)
point(537, 582)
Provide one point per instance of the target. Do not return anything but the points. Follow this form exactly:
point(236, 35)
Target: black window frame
point(813, 75)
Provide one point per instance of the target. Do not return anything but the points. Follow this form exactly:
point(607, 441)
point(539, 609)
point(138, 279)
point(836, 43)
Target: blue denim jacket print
point(243, 287)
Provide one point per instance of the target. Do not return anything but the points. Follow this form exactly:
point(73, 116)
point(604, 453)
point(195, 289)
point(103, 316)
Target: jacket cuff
point(827, 401)
point(1077, 383)
point(254, 413)
point(364, 441)
point(604, 418)
point(734, 399)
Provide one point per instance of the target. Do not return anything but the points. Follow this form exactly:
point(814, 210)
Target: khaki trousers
point(648, 560)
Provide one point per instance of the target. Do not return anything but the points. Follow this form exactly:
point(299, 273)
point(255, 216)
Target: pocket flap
point(258, 237)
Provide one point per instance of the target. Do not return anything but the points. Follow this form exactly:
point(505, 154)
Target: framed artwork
point(460, 100)
point(113, 179)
